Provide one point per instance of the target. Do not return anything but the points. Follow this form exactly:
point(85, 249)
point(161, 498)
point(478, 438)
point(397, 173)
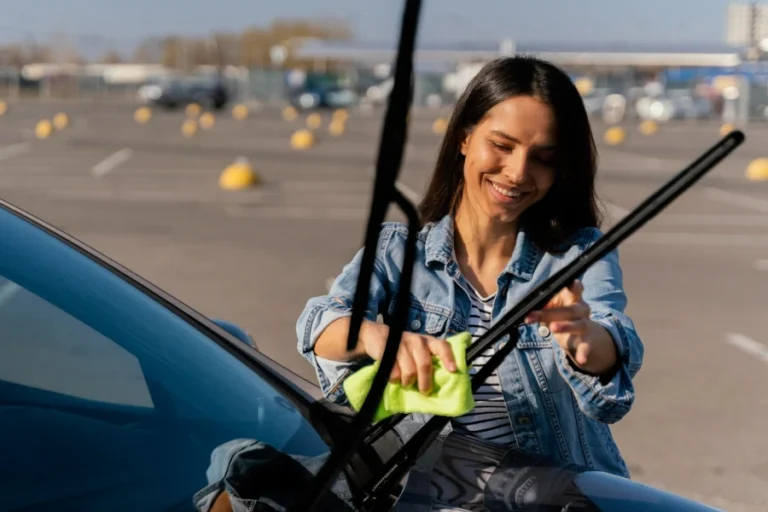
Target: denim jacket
point(555, 409)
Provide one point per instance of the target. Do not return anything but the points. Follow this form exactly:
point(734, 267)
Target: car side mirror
point(237, 332)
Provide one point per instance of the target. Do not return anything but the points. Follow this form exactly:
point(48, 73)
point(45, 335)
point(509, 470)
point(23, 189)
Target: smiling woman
point(510, 203)
point(519, 119)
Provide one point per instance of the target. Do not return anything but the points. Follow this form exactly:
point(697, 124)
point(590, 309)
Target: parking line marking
point(8, 290)
point(706, 219)
point(741, 200)
point(615, 212)
point(748, 345)
point(14, 150)
point(112, 161)
point(408, 192)
point(298, 213)
point(700, 239)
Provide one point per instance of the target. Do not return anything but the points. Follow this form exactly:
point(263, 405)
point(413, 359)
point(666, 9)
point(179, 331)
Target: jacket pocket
point(537, 347)
point(425, 318)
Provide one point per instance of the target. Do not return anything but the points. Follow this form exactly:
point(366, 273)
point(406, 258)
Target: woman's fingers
point(442, 349)
point(575, 327)
point(395, 375)
point(422, 357)
point(414, 360)
point(576, 288)
point(407, 365)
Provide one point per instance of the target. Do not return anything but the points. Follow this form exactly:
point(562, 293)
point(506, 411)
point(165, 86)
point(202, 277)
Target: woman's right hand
point(414, 357)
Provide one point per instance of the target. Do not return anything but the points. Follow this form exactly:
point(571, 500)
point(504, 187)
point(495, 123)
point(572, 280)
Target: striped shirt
point(489, 420)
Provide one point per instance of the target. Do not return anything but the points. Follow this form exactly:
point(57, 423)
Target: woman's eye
point(500, 147)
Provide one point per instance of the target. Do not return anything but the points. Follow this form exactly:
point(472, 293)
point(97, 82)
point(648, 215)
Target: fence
point(680, 95)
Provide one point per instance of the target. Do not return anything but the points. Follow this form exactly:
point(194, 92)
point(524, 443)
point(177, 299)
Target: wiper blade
point(398, 466)
point(389, 159)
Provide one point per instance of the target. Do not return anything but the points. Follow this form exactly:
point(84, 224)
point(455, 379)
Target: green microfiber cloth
point(451, 393)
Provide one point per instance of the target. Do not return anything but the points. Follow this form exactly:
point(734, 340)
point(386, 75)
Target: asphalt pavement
point(696, 276)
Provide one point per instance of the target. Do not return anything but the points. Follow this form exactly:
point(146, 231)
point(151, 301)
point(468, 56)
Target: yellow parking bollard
point(193, 109)
point(340, 115)
point(239, 175)
point(336, 128)
point(60, 121)
point(302, 139)
point(207, 121)
point(615, 135)
point(3, 107)
point(240, 112)
point(757, 170)
point(648, 127)
point(142, 115)
point(189, 128)
point(314, 121)
point(439, 126)
point(290, 114)
point(43, 129)
point(726, 128)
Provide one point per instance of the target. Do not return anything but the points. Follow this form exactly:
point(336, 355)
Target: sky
point(121, 24)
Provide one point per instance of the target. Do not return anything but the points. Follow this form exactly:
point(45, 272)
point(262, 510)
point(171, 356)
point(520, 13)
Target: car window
point(108, 399)
point(67, 356)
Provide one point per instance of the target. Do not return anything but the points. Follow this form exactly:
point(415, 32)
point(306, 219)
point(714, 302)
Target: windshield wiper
point(538, 297)
point(396, 468)
point(389, 160)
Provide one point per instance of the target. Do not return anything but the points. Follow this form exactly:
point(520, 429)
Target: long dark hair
point(571, 202)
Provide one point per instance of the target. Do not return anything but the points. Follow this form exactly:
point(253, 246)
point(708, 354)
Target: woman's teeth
point(506, 191)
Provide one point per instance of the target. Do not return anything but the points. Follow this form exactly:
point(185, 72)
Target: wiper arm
point(399, 465)
point(389, 160)
point(633, 221)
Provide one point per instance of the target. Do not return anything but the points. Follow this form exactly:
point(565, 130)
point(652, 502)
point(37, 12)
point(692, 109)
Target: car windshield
point(111, 398)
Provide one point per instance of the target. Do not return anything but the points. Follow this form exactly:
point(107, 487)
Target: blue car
point(116, 396)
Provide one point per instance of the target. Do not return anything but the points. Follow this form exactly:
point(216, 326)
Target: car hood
point(465, 473)
point(470, 474)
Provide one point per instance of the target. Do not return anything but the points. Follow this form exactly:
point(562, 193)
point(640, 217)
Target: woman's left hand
point(588, 344)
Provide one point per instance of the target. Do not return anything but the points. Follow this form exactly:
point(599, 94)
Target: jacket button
point(416, 325)
point(544, 331)
point(523, 420)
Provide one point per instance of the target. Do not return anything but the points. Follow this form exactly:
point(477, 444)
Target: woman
point(510, 202)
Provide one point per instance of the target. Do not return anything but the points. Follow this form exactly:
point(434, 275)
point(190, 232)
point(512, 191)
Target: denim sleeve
point(323, 310)
point(604, 400)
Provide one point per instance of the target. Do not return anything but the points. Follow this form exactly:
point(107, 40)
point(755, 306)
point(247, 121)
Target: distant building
point(607, 55)
point(747, 23)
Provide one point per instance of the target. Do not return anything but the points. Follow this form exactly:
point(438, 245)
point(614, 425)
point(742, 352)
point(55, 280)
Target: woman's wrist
point(603, 354)
point(370, 333)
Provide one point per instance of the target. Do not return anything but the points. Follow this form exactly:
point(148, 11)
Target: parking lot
point(696, 276)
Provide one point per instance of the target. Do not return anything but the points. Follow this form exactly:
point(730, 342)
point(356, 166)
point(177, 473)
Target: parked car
point(323, 98)
point(209, 93)
point(114, 395)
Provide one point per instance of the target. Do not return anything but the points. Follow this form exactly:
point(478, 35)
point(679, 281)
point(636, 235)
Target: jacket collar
point(439, 249)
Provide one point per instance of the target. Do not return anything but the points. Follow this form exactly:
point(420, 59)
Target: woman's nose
point(517, 167)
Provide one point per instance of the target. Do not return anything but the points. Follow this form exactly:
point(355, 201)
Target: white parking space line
point(299, 213)
point(614, 211)
point(408, 192)
point(740, 200)
point(700, 239)
point(748, 345)
point(706, 219)
point(8, 290)
point(111, 162)
point(14, 150)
